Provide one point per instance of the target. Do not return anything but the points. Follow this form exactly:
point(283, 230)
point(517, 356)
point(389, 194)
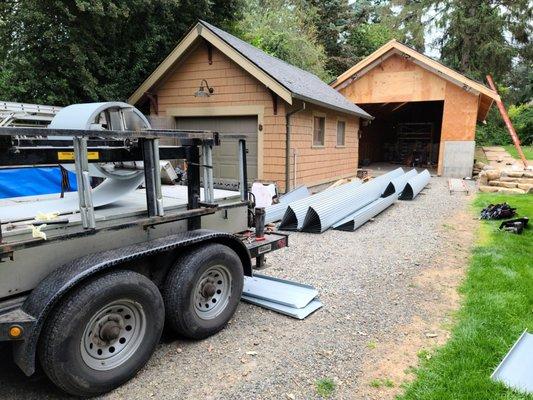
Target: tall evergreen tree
point(65, 51)
point(284, 29)
point(484, 36)
point(333, 19)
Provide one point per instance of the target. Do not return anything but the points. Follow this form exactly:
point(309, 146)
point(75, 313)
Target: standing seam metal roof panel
point(415, 185)
point(397, 185)
point(321, 216)
point(302, 84)
point(360, 217)
point(276, 211)
point(294, 215)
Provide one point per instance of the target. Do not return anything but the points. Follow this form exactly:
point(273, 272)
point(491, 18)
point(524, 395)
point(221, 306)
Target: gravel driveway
point(364, 279)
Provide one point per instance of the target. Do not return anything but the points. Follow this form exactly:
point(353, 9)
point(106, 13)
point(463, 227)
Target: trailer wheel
point(202, 291)
point(102, 334)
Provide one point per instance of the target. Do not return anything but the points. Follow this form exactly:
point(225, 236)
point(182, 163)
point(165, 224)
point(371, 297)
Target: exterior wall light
point(204, 91)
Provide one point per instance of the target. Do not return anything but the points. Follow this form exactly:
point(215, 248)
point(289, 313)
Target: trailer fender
point(60, 281)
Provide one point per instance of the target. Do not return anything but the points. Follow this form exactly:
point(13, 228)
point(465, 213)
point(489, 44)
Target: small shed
point(425, 113)
point(299, 129)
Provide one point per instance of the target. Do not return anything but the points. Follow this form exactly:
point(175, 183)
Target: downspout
point(288, 146)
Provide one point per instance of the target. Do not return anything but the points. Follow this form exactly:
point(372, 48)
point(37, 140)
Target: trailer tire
point(102, 333)
point(202, 291)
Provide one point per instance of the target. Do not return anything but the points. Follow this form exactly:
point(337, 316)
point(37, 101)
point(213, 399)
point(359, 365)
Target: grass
point(528, 151)
point(371, 345)
point(497, 307)
point(325, 387)
point(385, 382)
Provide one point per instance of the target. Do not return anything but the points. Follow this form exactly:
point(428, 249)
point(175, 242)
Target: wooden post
point(508, 123)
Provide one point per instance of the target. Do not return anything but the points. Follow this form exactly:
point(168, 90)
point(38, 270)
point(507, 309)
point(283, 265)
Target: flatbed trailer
point(88, 295)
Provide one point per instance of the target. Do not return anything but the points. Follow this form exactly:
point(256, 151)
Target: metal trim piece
point(515, 370)
point(415, 185)
point(279, 291)
point(298, 313)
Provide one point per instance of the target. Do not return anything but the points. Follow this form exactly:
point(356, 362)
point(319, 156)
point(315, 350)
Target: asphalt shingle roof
point(302, 84)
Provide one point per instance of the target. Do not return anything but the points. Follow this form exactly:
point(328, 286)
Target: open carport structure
point(425, 113)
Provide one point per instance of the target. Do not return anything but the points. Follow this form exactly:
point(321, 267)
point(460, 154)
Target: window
point(318, 131)
point(341, 133)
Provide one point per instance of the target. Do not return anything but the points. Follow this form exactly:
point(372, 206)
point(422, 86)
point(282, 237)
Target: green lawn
point(497, 307)
point(528, 151)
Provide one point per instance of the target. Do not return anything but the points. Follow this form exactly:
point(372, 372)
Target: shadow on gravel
point(15, 385)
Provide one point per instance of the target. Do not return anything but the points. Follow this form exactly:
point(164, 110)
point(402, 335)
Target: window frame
point(323, 143)
point(343, 144)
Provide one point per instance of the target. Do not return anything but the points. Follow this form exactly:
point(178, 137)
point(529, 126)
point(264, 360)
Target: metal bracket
point(243, 176)
point(152, 174)
point(209, 191)
point(84, 183)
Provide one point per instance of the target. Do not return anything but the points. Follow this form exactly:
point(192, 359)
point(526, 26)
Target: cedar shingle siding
point(236, 87)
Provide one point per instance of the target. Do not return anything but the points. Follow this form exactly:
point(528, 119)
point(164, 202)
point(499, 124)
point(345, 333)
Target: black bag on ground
point(498, 211)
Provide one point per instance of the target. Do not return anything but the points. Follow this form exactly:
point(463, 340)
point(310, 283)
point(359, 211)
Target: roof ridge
point(209, 26)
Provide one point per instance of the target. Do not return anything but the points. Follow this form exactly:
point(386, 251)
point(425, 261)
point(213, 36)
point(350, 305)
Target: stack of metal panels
point(360, 217)
point(415, 185)
point(286, 297)
point(294, 215)
point(276, 211)
point(349, 206)
point(321, 216)
point(397, 184)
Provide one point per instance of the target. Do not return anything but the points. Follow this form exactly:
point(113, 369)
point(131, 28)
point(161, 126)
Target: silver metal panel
point(294, 216)
point(276, 211)
point(360, 217)
point(397, 185)
point(279, 291)
point(300, 192)
point(298, 313)
point(415, 185)
point(83, 116)
point(516, 369)
point(458, 159)
point(109, 191)
point(321, 216)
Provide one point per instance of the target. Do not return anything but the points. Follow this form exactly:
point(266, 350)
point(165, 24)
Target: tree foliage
point(284, 29)
point(334, 19)
point(65, 51)
point(481, 36)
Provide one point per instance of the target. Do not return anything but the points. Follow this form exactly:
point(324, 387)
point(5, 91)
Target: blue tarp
point(15, 182)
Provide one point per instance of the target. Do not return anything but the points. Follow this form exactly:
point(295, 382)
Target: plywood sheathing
point(395, 49)
point(396, 79)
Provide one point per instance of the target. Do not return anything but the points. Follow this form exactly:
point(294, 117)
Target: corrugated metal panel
point(321, 216)
point(355, 220)
point(294, 215)
point(397, 185)
point(415, 185)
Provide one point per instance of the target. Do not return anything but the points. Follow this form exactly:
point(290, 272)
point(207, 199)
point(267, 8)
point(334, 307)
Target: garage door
point(225, 159)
